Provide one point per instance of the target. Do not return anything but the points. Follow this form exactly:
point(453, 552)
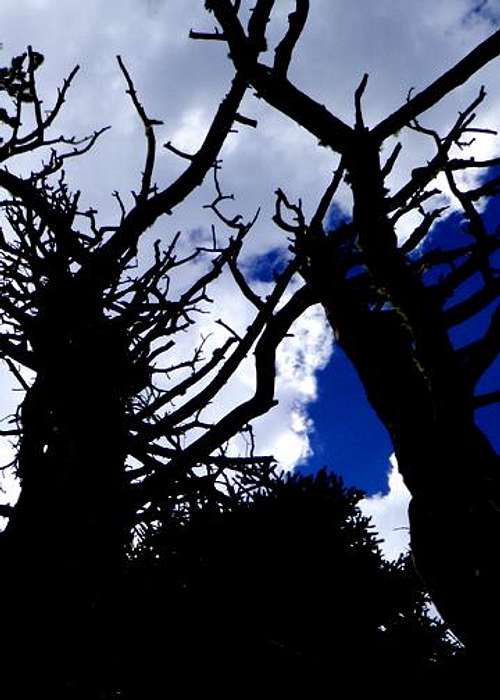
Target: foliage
point(289, 587)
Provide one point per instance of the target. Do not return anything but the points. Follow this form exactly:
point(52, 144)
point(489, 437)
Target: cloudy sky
point(322, 417)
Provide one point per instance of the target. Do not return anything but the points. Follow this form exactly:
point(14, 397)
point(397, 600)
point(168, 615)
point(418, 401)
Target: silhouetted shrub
point(287, 588)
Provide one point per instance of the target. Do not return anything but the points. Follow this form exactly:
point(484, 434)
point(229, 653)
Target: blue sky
point(348, 436)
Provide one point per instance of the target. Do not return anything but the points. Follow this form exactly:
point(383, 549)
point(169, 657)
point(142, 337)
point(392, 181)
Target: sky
point(323, 417)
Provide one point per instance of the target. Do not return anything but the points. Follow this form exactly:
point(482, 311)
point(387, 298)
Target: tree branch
point(276, 89)
point(284, 50)
point(478, 356)
point(202, 399)
point(148, 127)
point(142, 216)
point(472, 305)
point(488, 399)
point(261, 402)
point(446, 83)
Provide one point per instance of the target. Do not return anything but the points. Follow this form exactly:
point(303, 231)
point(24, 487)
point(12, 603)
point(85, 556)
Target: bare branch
point(216, 35)
point(472, 305)
point(277, 90)
point(182, 388)
point(149, 125)
point(446, 83)
point(257, 24)
point(326, 199)
point(241, 119)
point(421, 231)
point(463, 164)
point(232, 363)
point(478, 356)
point(487, 189)
point(357, 101)
point(56, 161)
point(230, 330)
point(176, 151)
point(34, 138)
point(476, 226)
point(17, 374)
point(245, 288)
point(36, 102)
point(296, 209)
point(488, 399)
point(389, 165)
point(144, 215)
point(296, 24)
point(261, 402)
point(459, 274)
point(58, 222)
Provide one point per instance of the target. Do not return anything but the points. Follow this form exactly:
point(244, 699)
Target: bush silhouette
point(286, 588)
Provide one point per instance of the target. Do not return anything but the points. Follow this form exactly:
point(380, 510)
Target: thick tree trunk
point(65, 542)
point(415, 382)
point(448, 465)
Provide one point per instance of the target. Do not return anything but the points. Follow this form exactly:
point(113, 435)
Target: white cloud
point(190, 134)
point(290, 448)
point(389, 514)
point(303, 353)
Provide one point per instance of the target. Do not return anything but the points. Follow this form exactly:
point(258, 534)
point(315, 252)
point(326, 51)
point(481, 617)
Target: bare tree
point(112, 435)
point(392, 313)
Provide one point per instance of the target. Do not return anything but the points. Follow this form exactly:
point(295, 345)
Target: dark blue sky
point(348, 437)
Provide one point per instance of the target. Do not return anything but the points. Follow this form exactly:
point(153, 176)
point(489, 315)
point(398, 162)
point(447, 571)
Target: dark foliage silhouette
point(393, 305)
point(287, 589)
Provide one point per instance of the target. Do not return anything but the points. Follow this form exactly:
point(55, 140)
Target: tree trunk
point(419, 387)
point(446, 462)
point(65, 543)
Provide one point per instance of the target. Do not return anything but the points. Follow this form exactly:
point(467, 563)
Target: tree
point(287, 589)
point(109, 440)
point(392, 305)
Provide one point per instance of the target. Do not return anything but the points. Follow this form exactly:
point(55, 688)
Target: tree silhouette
point(392, 305)
point(286, 589)
point(112, 433)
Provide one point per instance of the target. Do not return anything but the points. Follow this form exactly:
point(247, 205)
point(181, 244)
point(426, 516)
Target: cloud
point(300, 356)
point(190, 134)
point(303, 353)
point(389, 514)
